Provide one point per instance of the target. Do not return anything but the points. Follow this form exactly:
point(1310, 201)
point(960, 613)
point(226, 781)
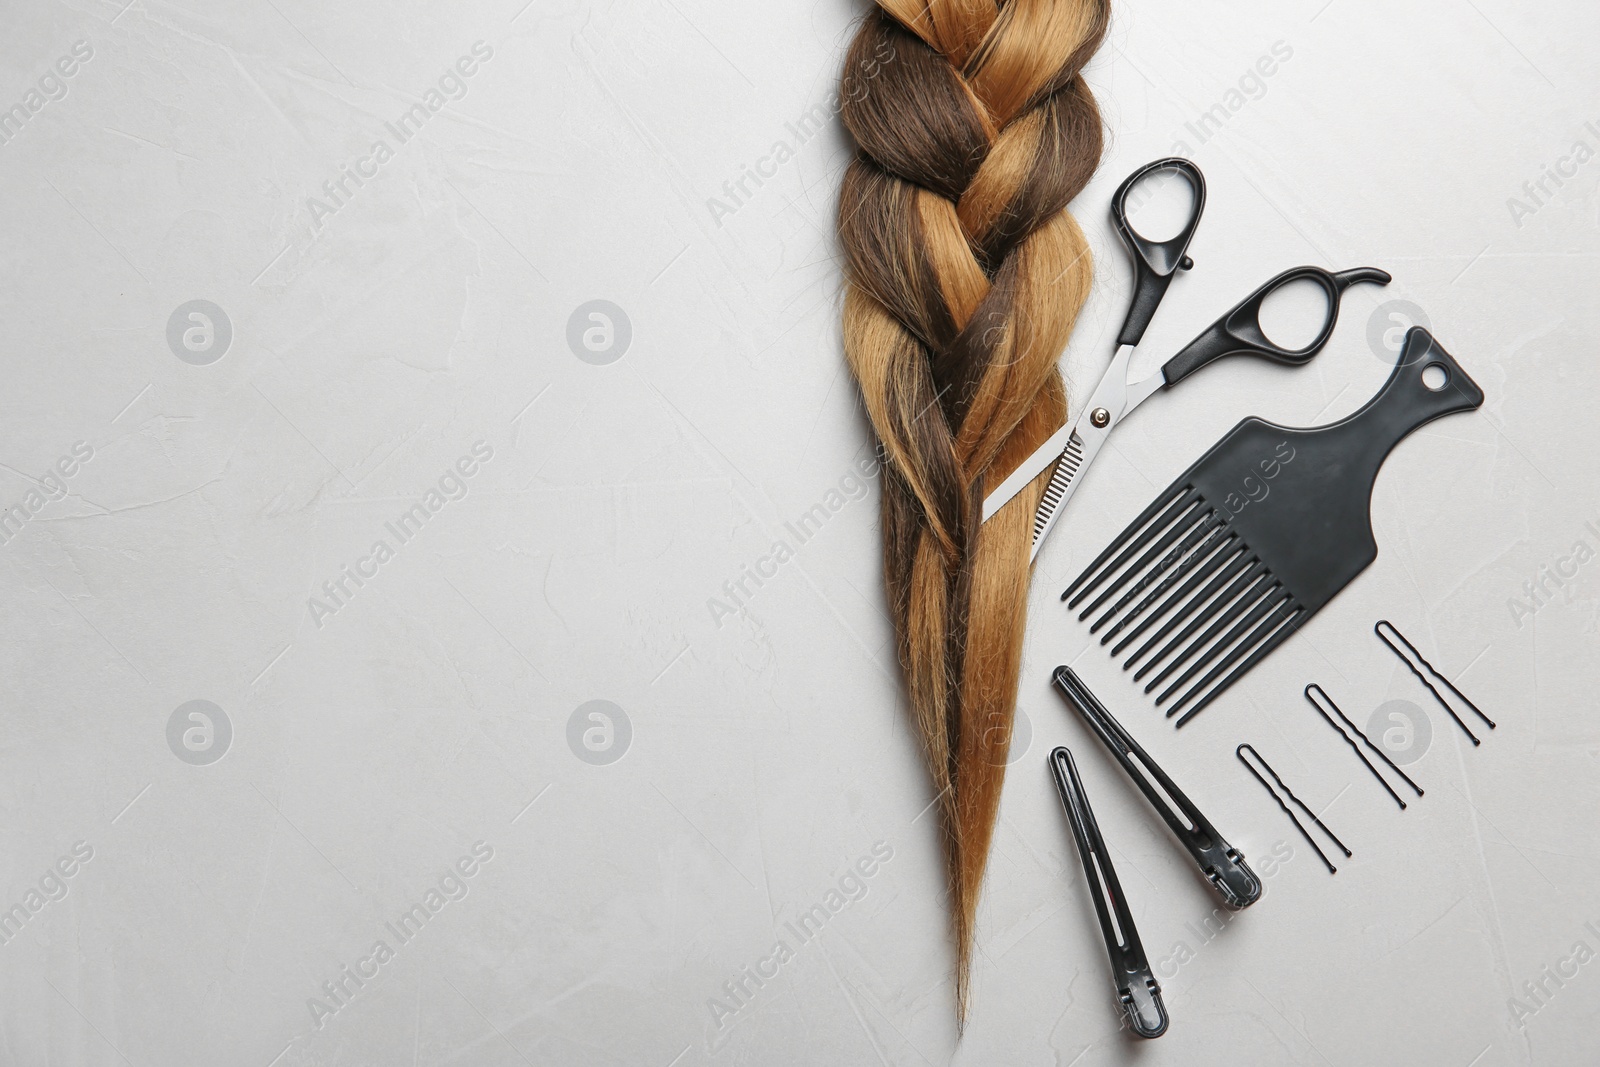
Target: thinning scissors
point(1238, 332)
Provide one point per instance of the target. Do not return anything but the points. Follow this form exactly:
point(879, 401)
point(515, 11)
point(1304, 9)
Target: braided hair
point(966, 274)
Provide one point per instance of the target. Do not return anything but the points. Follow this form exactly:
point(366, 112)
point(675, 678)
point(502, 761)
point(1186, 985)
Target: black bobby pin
point(1377, 628)
point(1239, 752)
point(1356, 748)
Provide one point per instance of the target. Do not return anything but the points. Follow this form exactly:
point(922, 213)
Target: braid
point(966, 275)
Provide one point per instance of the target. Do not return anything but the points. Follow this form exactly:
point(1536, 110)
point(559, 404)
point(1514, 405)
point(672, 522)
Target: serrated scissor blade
point(1029, 469)
point(1076, 444)
point(1079, 453)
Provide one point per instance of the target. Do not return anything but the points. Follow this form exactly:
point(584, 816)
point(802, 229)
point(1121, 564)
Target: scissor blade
point(1036, 463)
point(1110, 395)
point(1077, 456)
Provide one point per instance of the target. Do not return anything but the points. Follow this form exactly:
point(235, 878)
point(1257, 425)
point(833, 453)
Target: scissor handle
point(1239, 331)
point(1154, 262)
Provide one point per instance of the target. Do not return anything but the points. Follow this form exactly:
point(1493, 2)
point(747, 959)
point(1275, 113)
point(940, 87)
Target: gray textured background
point(746, 763)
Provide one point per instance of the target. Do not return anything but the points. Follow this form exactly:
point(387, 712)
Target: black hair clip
point(1417, 670)
point(1137, 989)
point(1222, 864)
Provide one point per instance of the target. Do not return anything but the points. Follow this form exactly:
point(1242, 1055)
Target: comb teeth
point(1285, 619)
point(1194, 517)
point(1261, 598)
point(1220, 569)
point(1234, 601)
point(1154, 519)
point(1183, 555)
point(1218, 549)
point(1066, 470)
point(1206, 605)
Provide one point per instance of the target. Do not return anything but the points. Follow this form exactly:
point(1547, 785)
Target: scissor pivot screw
point(1100, 417)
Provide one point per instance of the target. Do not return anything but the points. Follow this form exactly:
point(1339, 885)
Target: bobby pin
point(1240, 751)
point(1356, 748)
point(1377, 628)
